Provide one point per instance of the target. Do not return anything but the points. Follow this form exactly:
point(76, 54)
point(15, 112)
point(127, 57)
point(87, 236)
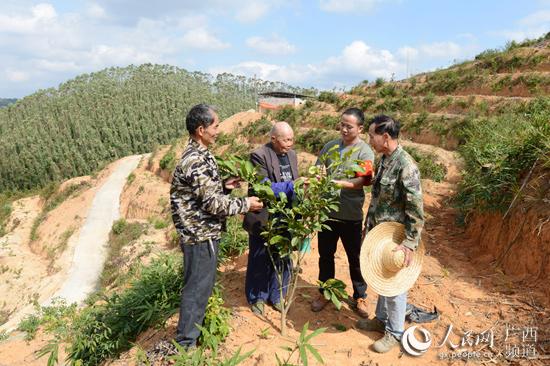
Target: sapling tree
point(294, 221)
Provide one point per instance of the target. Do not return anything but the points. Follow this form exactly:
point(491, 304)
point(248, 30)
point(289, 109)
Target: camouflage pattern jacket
point(397, 196)
point(199, 205)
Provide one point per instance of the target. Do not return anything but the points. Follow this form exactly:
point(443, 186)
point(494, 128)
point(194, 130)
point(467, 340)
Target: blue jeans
point(391, 311)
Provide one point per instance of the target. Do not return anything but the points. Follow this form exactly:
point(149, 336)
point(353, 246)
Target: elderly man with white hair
point(278, 163)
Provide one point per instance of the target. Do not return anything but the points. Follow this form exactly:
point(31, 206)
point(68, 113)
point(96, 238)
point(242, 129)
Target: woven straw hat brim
point(382, 281)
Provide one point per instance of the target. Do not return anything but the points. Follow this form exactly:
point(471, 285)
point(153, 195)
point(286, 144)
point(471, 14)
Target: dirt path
point(90, 249)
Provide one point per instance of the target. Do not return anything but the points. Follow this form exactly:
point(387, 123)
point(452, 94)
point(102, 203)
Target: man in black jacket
point(278, 163)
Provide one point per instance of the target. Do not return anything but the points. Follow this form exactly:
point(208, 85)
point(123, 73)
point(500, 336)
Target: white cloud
point(533, 25)
point(271, 46)
point(96, 11)
point(408, 52)
point(192, 21)
point(17, 75)
point(441, 49)
point(202, 39)
point(360, 59)
point(40, 15)
point(357, 61)
point(541, 17)
point(55, 66)
point(252, 11)
point(346, 6)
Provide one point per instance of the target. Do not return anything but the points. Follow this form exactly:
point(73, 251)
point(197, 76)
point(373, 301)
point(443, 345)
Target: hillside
point(484, 157)
point(97, 118)
point(4, 102)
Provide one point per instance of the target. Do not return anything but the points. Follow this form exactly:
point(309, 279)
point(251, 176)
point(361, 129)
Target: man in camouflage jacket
point(199, 208)
point(396, 196)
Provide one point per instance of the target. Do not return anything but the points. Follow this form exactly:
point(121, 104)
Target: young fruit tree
point(294, 221)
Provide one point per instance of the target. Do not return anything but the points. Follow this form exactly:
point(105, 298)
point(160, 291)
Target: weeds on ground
point(109, 327)
point(427, 164)
point(122, 233)
point(302, 348)
point(234, 240)
point(498, 152)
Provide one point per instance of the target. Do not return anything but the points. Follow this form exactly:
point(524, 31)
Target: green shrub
point(159, 223)
point(131, 178)
point(388, 90)
point(328, 121)
point(379, 82)
point(119, 226)
point(122, 233)
point(104, 330)
point(234, 240)
point(427, 164)
point(5, 212)
point(367, 103)
point(262, 127)
point(428, 99)
point(168, 161)
point(497, 153)
point(314, 139)
point(29, 325)
point(328, 97)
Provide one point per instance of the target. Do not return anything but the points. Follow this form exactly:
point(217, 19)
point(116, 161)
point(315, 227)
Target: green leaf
point(303, 355)
point(276, 239)
point(315, 354)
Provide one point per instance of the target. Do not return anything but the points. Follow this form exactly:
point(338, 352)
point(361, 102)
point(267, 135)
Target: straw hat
point(382, 268)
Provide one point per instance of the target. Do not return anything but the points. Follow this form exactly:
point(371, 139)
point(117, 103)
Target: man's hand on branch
point(233, 182)
point(254, 204)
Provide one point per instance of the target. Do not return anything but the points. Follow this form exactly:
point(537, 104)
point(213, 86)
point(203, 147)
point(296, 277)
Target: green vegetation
point(427, 164)
point(4, 102)
point(122, 234)
point(258, 129)
point(290, 226)
point(302, 347)
point(499, 151)
point(168, 161)
point(314, 139)
point(5, 212)
point(109, 327)
point(70, 131)
point(328, 97)
point(234, 240)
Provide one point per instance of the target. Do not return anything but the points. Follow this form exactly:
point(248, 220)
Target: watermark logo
point(517, 342)
point(412, 345)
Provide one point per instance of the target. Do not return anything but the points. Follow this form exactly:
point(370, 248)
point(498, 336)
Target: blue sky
point(326, 44)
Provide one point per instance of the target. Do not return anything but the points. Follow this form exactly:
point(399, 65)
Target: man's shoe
point(385, 343)
point(258, 307)
point(319, 303)
point(361, 307)
point(278, 306)
point(371, 325)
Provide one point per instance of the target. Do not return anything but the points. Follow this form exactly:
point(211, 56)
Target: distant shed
point(276, 100)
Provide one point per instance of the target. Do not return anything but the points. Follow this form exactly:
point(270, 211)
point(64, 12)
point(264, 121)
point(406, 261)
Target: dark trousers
point(350, 233)
point(199, 276)
point(262, 283)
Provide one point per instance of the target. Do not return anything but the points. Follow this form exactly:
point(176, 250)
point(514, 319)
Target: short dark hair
point(199, 115)
point(357, 113)
point(385, 124)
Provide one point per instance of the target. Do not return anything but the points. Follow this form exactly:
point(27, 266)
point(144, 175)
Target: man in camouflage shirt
point(396, 196)
point(199, 208)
